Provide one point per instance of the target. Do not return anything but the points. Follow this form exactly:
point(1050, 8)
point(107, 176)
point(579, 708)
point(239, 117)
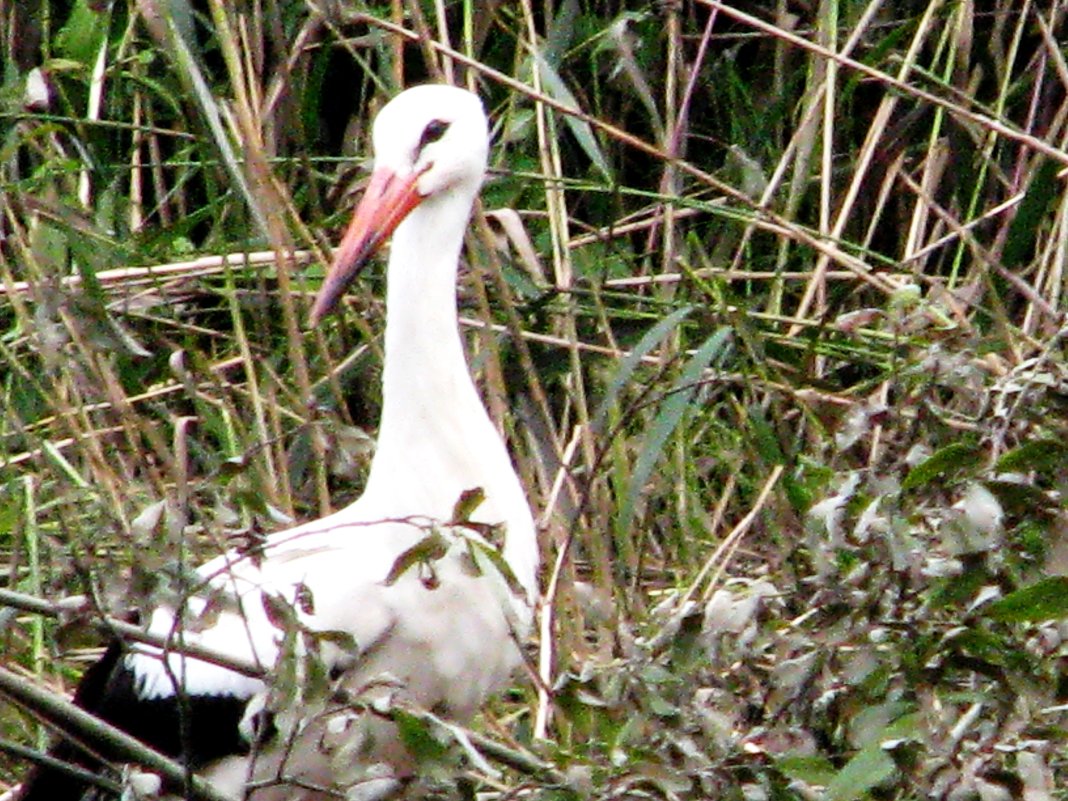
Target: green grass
point(771, 333)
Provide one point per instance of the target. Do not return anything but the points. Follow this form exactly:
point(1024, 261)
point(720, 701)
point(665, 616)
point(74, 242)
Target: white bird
point(430, 613)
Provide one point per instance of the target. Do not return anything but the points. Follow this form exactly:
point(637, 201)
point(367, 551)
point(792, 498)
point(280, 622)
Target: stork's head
point(430, 142)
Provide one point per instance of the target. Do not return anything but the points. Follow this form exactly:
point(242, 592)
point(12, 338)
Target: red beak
point(388, 200)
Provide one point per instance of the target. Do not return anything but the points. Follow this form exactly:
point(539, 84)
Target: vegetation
point(767, 297)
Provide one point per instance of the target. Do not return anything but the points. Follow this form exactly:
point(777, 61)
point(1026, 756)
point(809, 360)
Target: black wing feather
point(195, 729)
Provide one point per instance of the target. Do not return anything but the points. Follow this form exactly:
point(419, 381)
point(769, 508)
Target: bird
point(422, 589)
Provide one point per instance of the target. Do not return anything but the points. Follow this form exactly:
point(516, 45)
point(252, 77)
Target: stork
point(413, 597)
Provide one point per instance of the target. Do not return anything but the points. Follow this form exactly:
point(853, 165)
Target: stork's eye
point(434, 130)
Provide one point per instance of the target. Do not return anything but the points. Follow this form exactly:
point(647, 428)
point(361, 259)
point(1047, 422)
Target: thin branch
point(75, 720)
point(60, 766)
point(128, 631)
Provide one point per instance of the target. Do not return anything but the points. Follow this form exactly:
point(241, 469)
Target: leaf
point(82, 34)
point(417, 738)
point(1045, 600)
point(1030, 214)
point(873, 725)
point(651, 339)
point(671, 411)
point(957, 590)
point(304, 599)
point(342, 640)
point(659, 706)
point(429, 549)
point(909, 726)
point(1041, 455)
point(315, 684)
point(561, 33)
point(555, 88)
point(1025, 500)
point(497, 559)
point(868, 768)
point(989, 651)
point(279, 611)
point(797, 492)
point(808, 769)
point(954, 458)
point(767, 444)
point(148, 520)
point(467, 503)
point(65, 468)
point(191, 74)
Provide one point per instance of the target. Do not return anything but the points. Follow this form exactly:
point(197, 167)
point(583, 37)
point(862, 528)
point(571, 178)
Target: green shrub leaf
point(1046, 600)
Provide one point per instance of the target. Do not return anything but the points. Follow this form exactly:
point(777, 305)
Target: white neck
point(436, 439)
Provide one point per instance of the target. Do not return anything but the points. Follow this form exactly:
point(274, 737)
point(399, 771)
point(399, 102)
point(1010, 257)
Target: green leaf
point(909, 726)
point(1031, 213)
point(555, 87)
point(959, 590)
point(497, 559)
point(767, 444)
point(81, 35)
point(1046, 600)
point(342, 640)
point(191, 74)
point(1025, 500)
point(279, 611)
point(1039, 454)
point(671, 412)
point(953, 458)
point(467, 503)
point(661, 707)
point(429, 549)
point(808, 769)
point(990, 652)
point(798, 493)
point(651, 339)
point(315, 684)
point(868, 768)
point(417, 738)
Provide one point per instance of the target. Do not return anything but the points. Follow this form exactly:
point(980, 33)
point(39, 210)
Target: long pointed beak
point(388, 200)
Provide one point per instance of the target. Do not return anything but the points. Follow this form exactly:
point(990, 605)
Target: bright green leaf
point(809, 769)
point(1046, 600)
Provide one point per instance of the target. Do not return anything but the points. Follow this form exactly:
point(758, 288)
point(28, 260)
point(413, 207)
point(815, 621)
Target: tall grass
point(767, 299)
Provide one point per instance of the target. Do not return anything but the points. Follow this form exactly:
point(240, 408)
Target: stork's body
point(446, 631)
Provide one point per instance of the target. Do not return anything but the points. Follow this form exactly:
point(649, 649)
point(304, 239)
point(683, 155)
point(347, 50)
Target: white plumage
point(445, 633)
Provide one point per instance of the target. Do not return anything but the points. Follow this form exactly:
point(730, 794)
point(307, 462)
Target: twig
point(72, 719)
point(194, 268)
point(522, 761)
point(128, 631)
point(545, 620)
point(50, 762)
point(984, 120)
point(721, 556)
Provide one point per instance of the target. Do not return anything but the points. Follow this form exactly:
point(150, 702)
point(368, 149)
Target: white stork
point(437, 620)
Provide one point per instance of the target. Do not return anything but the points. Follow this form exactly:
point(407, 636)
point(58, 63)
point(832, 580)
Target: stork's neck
point(422, 342)
point(436, 439)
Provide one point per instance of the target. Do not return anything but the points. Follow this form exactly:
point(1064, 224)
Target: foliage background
point(767, 298)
